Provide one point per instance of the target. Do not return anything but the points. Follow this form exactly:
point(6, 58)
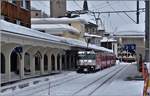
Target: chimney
point(57, 8)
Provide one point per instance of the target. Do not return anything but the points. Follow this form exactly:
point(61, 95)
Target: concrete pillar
point(116, 49)
point(42, 64)
point(7, 66)
point(32, 64)
point(22, 66)
point(49, 63)
point(60, 62)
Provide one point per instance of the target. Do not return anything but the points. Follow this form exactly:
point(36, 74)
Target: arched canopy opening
point(45, 62)
point(15, 61)
point(2, 63)
point(68, 62)
point(38, 57)
point(53, 62)
point(58, 62)
point(63, 62)
point(27, 63)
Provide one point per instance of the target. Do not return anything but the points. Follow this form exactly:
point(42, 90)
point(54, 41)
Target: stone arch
point(63, 62)
point(27, 62)
point(53, 62)
point(68, 62)
point(58, 62)
point(38, 57)
point(2, 63)
point(15, 61)
point(72, 61)
point(45, 62)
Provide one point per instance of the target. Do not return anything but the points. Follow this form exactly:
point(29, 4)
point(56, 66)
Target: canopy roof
point(20, 31)
point(131, 30)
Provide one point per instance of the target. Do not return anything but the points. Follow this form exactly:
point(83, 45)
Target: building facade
point(131, 42)
point(91, 28)
point(21, 9)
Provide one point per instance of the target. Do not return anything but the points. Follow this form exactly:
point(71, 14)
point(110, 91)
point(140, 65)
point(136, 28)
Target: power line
point(117, 13)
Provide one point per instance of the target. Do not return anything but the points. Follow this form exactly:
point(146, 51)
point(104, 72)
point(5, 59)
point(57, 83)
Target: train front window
point(87, 56)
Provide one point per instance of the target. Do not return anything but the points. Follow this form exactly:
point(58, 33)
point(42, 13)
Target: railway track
point(65, 80)
point(71, 79)
point(102, 77)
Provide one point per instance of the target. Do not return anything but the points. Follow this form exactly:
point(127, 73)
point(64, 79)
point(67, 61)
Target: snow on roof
point(55, 28)
point(20, 30)
point(92, 35)
point(106, 39)
point(80, 43)
point(131, 30)
point(88, 18)
point(64, 20)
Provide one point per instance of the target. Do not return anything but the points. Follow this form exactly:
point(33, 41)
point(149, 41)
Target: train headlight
point(90, 61)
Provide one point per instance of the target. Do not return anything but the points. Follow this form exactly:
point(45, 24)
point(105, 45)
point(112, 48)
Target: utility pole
point(137, 13)
point(147, 31)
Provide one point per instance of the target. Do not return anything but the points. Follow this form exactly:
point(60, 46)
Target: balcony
point(14, 13)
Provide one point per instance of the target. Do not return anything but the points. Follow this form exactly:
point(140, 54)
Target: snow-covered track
point(110, 75)
point(100, 85)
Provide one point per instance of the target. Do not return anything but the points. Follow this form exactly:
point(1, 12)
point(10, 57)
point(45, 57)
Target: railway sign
point(130, 47)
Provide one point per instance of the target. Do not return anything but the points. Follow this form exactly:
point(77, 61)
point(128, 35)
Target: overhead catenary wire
point(117, 13)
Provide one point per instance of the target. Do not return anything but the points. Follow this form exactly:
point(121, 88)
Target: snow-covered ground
point(108, 82)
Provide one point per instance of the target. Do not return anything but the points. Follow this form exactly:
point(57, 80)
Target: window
point(21, 3)
point(14, 1)
point(36, 14)
point(27, 4)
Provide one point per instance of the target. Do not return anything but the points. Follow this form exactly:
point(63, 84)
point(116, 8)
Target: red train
point(90, 61)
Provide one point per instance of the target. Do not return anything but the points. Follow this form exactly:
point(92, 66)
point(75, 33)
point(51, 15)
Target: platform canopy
point(18, 31)
point(133, 30)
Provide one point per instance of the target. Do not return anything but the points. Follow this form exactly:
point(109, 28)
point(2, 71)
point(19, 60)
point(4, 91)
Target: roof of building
point(64, 20)
point(92, 35)
point(52, 28)
point(106, 39)
point(10, 28)
point(131, 30)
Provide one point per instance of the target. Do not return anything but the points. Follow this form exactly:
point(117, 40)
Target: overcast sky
point(111, 21)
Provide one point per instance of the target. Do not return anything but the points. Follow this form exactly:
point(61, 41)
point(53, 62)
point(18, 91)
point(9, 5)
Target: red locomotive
point(90, 61)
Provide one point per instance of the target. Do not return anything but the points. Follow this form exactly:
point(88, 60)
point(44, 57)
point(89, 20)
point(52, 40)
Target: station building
point(27, 53)
point(131, 41)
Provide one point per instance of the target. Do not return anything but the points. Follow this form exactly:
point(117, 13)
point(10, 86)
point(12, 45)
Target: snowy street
point(107, 82)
